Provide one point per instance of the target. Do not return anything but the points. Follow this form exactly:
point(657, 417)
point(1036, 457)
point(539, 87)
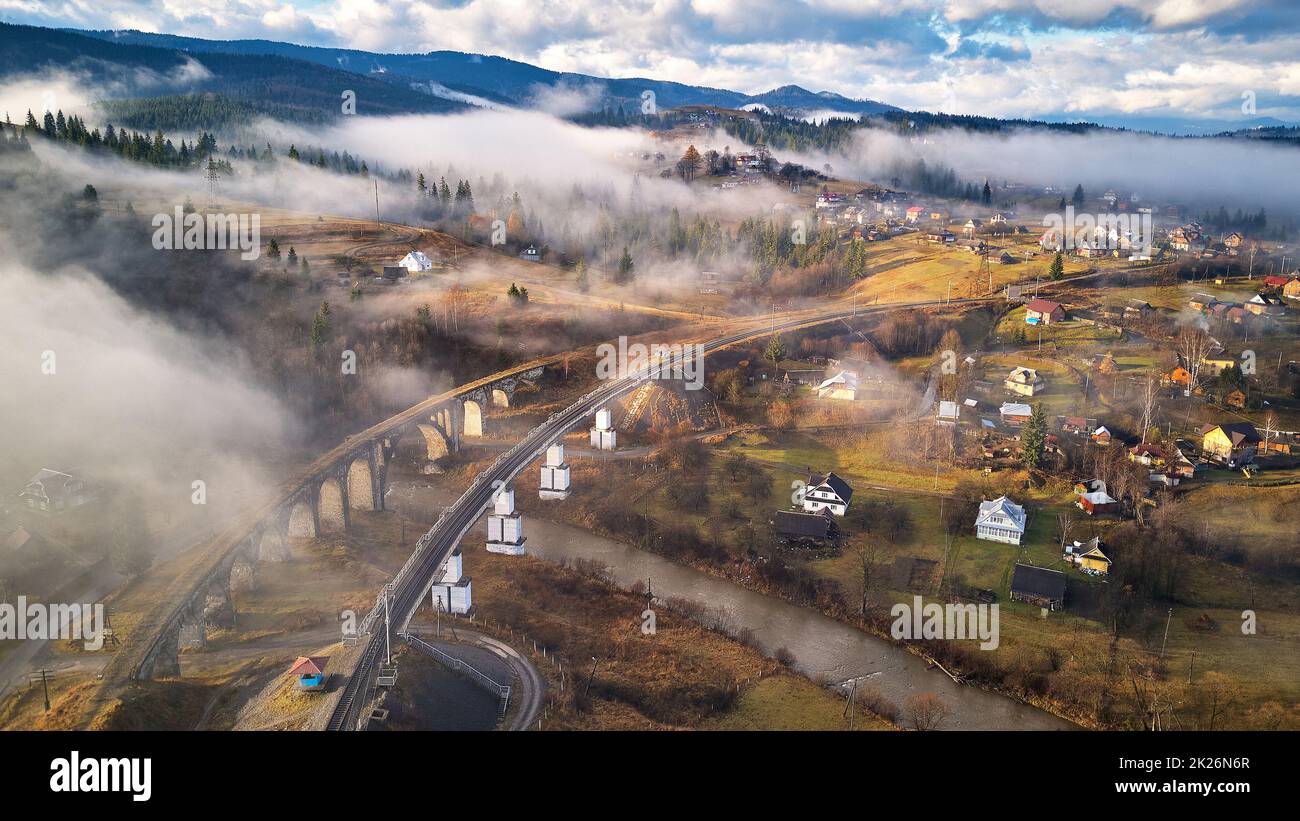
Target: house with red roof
point(1044, 312)
point(310, 671)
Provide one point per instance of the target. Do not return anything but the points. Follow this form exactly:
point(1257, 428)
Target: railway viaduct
point(319, 500)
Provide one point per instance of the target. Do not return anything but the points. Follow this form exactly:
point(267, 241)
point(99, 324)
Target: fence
point(501, 691)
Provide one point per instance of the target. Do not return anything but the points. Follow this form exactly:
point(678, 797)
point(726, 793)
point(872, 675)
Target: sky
point(1229, 60)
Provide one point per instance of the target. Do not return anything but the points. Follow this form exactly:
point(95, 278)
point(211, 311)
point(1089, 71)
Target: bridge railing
point(489, 683)
point(423, 543)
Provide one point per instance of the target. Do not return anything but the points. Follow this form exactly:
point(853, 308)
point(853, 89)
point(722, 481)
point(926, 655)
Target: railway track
point(406, 590)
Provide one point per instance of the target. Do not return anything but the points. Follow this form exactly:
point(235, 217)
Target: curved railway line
point(405, 592)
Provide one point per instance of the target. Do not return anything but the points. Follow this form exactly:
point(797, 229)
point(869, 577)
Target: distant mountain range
point(289, 81)
point(500, 80)
point(265, 71)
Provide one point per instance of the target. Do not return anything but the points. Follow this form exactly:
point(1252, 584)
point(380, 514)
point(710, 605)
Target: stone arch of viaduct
point(354, 477)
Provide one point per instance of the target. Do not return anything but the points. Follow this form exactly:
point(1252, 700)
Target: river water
point(823, 649)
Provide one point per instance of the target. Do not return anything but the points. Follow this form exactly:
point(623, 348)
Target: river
point(823, 648)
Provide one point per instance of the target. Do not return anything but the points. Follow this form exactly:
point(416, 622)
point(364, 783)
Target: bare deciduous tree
point(926, 711)
point(1193, 345)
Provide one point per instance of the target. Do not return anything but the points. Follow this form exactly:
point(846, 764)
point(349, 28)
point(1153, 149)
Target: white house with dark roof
point(828, 492)
point(1000, 520)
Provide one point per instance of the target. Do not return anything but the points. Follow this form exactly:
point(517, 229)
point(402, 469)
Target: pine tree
point(582, 280)
point(1057, 269)
point(626, 268)
point(273, 249)
point(775, 350)
point(1032, 438)
point(320, 326)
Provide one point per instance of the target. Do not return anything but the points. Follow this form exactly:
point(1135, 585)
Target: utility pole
point(377, 228)
point(587, 689)
point(1168, 619)
point(848, 708)
point(388, 655)
point(44, 676)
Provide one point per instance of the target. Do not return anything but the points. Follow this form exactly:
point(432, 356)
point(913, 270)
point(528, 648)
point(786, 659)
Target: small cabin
point(310, 671)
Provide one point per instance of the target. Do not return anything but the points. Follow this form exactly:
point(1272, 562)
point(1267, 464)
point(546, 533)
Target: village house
point(1178, 377)
point(1233, 443)
point(1038, 586)
point(1185, 239)
point(1200, 302)
point(1000, 520)
point(814, 528)
point(829, 493)
point(1025, 381)
point(1214, 364)
point(1077, 425)
point(1149, 455)
point(531, 254)
point(843, 385)
point(1235, 398)
point(1044, 312)
point(1233, 242)
point(914, 214)
point(1137, 309)
point(1102, 436)
point(1015, 413)
point(52, 491)
point(1088, 557)
point(1093, 498)
point(1266, 305)
point(416, 261)
point(1291, 290)
point(1001, 258)
point(1276, 281)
